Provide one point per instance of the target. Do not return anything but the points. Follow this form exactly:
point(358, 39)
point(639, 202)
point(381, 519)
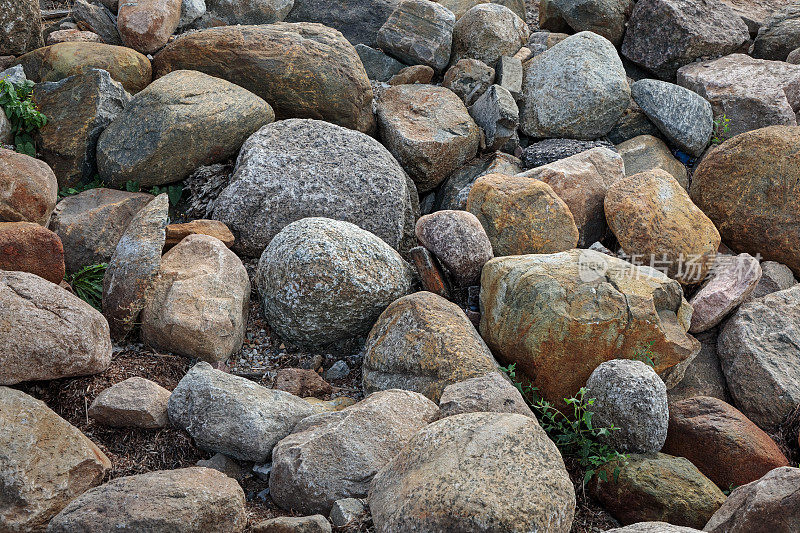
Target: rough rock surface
point(490, 393)
point(232, 12)
point(454, 191)
point(459, 7)
point(653, 527)
point(21, 21)
point(419, 32)
point(422, 488)
point(323, 280)
point(733, 279)
point(779, 35)
point(774, 277)
point(29, 247)
point(488, 32)
point(146, 25)
point(469, 79)
point(423, 343)
point(703, 374)
point(233, 415)
point(551, 150)
point(335, 455)
point(604, 17)
point(135, 402)
point(97, 18)
point(294, 169)
point(164, 501)
point(294, 524)
point(497, 114)
point(358, 20)
point(646, 152)
point(28, 189)
point(559, 316)
point(48, 333)
point(213, 228)
point(44, 462)
point(379, 66)
point(302, 382)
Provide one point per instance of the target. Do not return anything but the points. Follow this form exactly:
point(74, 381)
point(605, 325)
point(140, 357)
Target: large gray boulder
point(323, 280)
point(477, 472)
point(576, 89)
point(298, 168)
point(358, 20)
point(233, 415)
point(604, 17)
point(779, 35)
point(419, 32)
point(330, 456)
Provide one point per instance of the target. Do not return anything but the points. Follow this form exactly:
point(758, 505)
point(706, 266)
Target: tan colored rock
point(657, 225)
point(135, 402)
point(645, 152)
point(146, 25)
point(734, 278)
point(488, 32)
point(44, 462)
point(522, 215)
point(325, 406)
point(28, 247)
point(28, 189)
point(490, 393)
point(559, 316)
point(294, 524)
point(72, 36)
point(214, 228)
point(412, 74)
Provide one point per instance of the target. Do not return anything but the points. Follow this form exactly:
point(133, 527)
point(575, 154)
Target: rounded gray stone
point(488, 32)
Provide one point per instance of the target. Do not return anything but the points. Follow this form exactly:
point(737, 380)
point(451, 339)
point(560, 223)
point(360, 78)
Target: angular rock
point(645, 152)
point(551, 150)
point(135, 402)
point(232, 12)
point(68, 142)
point(44, 462)
point(164, 501)
point(488, 32)
point(21, 21)
point(779, 35)
point(497, 114)
point(683, 116)
point(302, 70)
point(483, 394)
point(287, 524)
point(430, 274)
point(346, 511)
point(774, 277)
point(656, 223)
point(423, 343)
point(233, 415)
point(59, 61)
point(129, 280)
point(559, 316)
point(428, 130)
point(301, 382)
point(200, 301)
point(358, 20)
point(323, 280)
point(29, 247)
point(576, 89)
point(750, 175)
point(454, 191)
point(422, 488)
point(28, 189)
point(460, 7)
point(509, 75)
point(379, 66)
point(191, 10)
point(522, 215)
point(469, 79)
point(686, 30)
point(755, 13)
point(459, 241)
point(146, 25)
point(414, 74)
point(733, 279)
point(703, 375)
point(91, 223)
point(603, 17)
point(632, 124)
point(175, 233)
point(335, 455)
point(761, 359)
point(418, 32)
point(98, 19)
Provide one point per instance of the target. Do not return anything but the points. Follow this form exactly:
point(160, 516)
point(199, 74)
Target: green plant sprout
point(16, 99)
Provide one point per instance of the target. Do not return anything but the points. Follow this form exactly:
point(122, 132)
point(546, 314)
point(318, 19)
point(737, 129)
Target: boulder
point(200, 301)
point(44, 462)
point(747, 186)
point(733, 279)
point(582, 181)
point(455, 475)
point(164, 501)
point(233, 415)
point(191, 10)
point(522, 215)
point(770, 504)
point(779, 35)
point(489, 393)
point(423, 343)
point(645, 152)
point(603, 17)
point(630, 396)
point(347, 511)
point(685, 30)
point(653, 527)
point(29, 247)
point(703, 374)
point(576, 89)
point(146, 25)
point(68, 142)
point(774, 277)
point(302, 70)
point(335, 455)
point(59, 61)
point(509, 75)
point(135, 402)
point(48, 333)
point(358, 20)
point(761, 359)
point(175, 233)
point(429, 131)
point(379, 66)
point(497, 114)
point(232, 12)
point(294, 524)
point(551, 150)
point(6, 133)
point(559, 316)
point(96, 17)
point(413, 74)
point(633, 123)
point(458, 241)
point(488, 32)
point(323, 281)
point(755, 13)
point(720, 441)
point(657, 487)
point(91, 223)
point(347, 176)
point(454, 191)
point(74, 35)
point(28, 189)
point(132, 270)
point(748, 93)
point(656, 223)
point(418, 32)
point(21, 21)
point(460, 7)
point(469, 79)
point(684, 117)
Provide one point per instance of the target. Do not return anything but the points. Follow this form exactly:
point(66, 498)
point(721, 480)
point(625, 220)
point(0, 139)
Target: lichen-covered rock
point(423, 343)
point(490, 393)
point(29, 247)
point(419, 32)
point(21, 21)
point(135, 402)
point(475, 472)
point(232, 12)
point(488, 32)
point(646, 152)
point(28, 188)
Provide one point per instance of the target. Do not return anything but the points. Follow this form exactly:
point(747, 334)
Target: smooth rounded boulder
point(488, 32)
point(28, 188)
point(303, 70)
point(489, 393)
point(134, 402)
point(222, 116)
point(147, 25)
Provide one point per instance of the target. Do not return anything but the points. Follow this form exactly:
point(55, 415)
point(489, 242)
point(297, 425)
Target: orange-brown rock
point(749, 187)
point(302, 382)
point(28, 189)
point(302, 70)
point(657, 225)
point(59, 61)
point(146, 25)
point(29, 247)
point(720, 441)
point(177, 232)
point(522, 215)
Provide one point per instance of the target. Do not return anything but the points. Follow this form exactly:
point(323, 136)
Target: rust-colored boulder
point(177, 232)
point(29, 247)
point(28, 189)
point(302, 382)
point(146, 25)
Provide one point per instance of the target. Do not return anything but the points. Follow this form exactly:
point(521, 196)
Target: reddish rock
point(412, 74)
point(430, 274)
point(733, 279)
point(28, 189)
point(177, 232)
point(146, 25)
point(720, 441)
point(302, 382)
point(73, 36)
point(28, 247)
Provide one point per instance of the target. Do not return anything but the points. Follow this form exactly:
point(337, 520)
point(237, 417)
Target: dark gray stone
point(779, 35)
point(99, 19)
point(604, 17)
point(469, 79)
point(774, 277)
point(551, 150)
point(379, 66)
point(21, 24)
point(419, 32)
point(358, 20)
point(231, 12)
point(455, 189)
point(497, 114)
